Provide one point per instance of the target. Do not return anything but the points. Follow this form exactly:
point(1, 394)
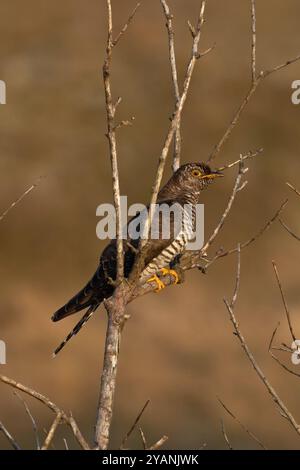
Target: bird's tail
point(79, 302)
point(77, 328)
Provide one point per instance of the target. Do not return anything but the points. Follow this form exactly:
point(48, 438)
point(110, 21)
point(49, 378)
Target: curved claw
point(170, 272)
point(159, 283)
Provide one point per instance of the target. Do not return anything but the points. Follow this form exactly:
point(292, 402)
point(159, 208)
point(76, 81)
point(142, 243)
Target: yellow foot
point(159, 283)
point(171, 272)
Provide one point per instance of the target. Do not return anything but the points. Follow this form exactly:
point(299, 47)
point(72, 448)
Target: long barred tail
point(88, 314)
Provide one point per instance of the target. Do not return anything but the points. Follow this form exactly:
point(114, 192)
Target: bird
point(184, 189)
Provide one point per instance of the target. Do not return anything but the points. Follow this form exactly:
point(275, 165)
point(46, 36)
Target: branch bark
point(116, 305)
point(69, 420)
point(256, 79)
point(271, 390)
point(172, 56)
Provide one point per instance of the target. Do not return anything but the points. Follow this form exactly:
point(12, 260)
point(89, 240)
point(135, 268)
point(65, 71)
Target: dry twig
point(169, 25)
point(20, 198)
point(250, 434)
point(9, 437)
point(274, 395)
point(284, 301)
point(159, 443)
point(69, 420)
point(256, 79)
point(225, 435)
point(128, 434)
point(34, 425)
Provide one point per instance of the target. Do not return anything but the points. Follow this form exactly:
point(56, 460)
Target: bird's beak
point(213, 174)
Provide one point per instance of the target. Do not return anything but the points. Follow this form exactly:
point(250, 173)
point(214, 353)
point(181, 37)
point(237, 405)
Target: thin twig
point(236, 187)
point(270, 350)
point(238, 278)
point(123, 30)
point(253, 49)
point(282, 407)
point(250, 434)
point(266, 73)
point(284, 301)
point(293, 188)
point(20, 198)
point(52, 406)
point(174, 120)
point(144, 442)
point(111, 135)
point(9, 437)
point(244, 157)
point(288, 229)
point(255, 81)
point(172, 57)
point(225, 435)
point(116, 307)
point(34, 425)
point(51, 432)
point(223, 253)
point(128, 434)
point(159, 443)
point(65, 443)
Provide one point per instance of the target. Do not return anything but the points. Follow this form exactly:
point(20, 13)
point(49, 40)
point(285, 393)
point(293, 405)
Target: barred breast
point(176, 246)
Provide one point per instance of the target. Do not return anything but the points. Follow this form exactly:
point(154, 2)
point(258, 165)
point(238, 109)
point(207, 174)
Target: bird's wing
point(162, 250)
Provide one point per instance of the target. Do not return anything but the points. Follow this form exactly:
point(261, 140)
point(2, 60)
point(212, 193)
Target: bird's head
point(189, 180)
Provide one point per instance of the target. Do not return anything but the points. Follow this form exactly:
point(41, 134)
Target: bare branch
point(294, 189)
point(52, 431)
point(34, 425)
point(66, 444)
point(109, 372)
point(270, 350)
point(144, 442)
point(236, 186)
point(128, 434)
point(284, 301)
point(176, 117)
point(238, 278)
point(250, 434)
point(169, 25)
point(123, 30)
point(225, 435)
point(9, 437)
point(282, 407)
point(222, 253)
point(20, 198)
point(243, 158)
point(266, 73)
point(288, 229)
point(273, 336)
point(124, 123)
point(111, 135)
point(253, 24)
point(116, 307)
point(159, 443)
point(255, 81)
point(52, 406)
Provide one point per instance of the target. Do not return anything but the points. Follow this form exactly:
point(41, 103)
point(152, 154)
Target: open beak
point(213, 174)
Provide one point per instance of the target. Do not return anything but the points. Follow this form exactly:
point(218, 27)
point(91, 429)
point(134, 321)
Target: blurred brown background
point(178, 349)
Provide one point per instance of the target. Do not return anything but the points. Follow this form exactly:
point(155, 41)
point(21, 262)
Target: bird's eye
point(196, 172)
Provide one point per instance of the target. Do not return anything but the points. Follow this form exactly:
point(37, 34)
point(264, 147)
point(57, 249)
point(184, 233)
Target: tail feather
point(76, 328)
point(79, 302)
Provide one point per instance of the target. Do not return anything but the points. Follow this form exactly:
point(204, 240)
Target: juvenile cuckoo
point(183, 188)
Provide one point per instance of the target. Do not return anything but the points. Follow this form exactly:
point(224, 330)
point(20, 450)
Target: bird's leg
point(163, 272)
point(159, 283)
point(170, 272)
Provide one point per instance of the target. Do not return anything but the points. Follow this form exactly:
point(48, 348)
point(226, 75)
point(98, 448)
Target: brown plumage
point(184, 187)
